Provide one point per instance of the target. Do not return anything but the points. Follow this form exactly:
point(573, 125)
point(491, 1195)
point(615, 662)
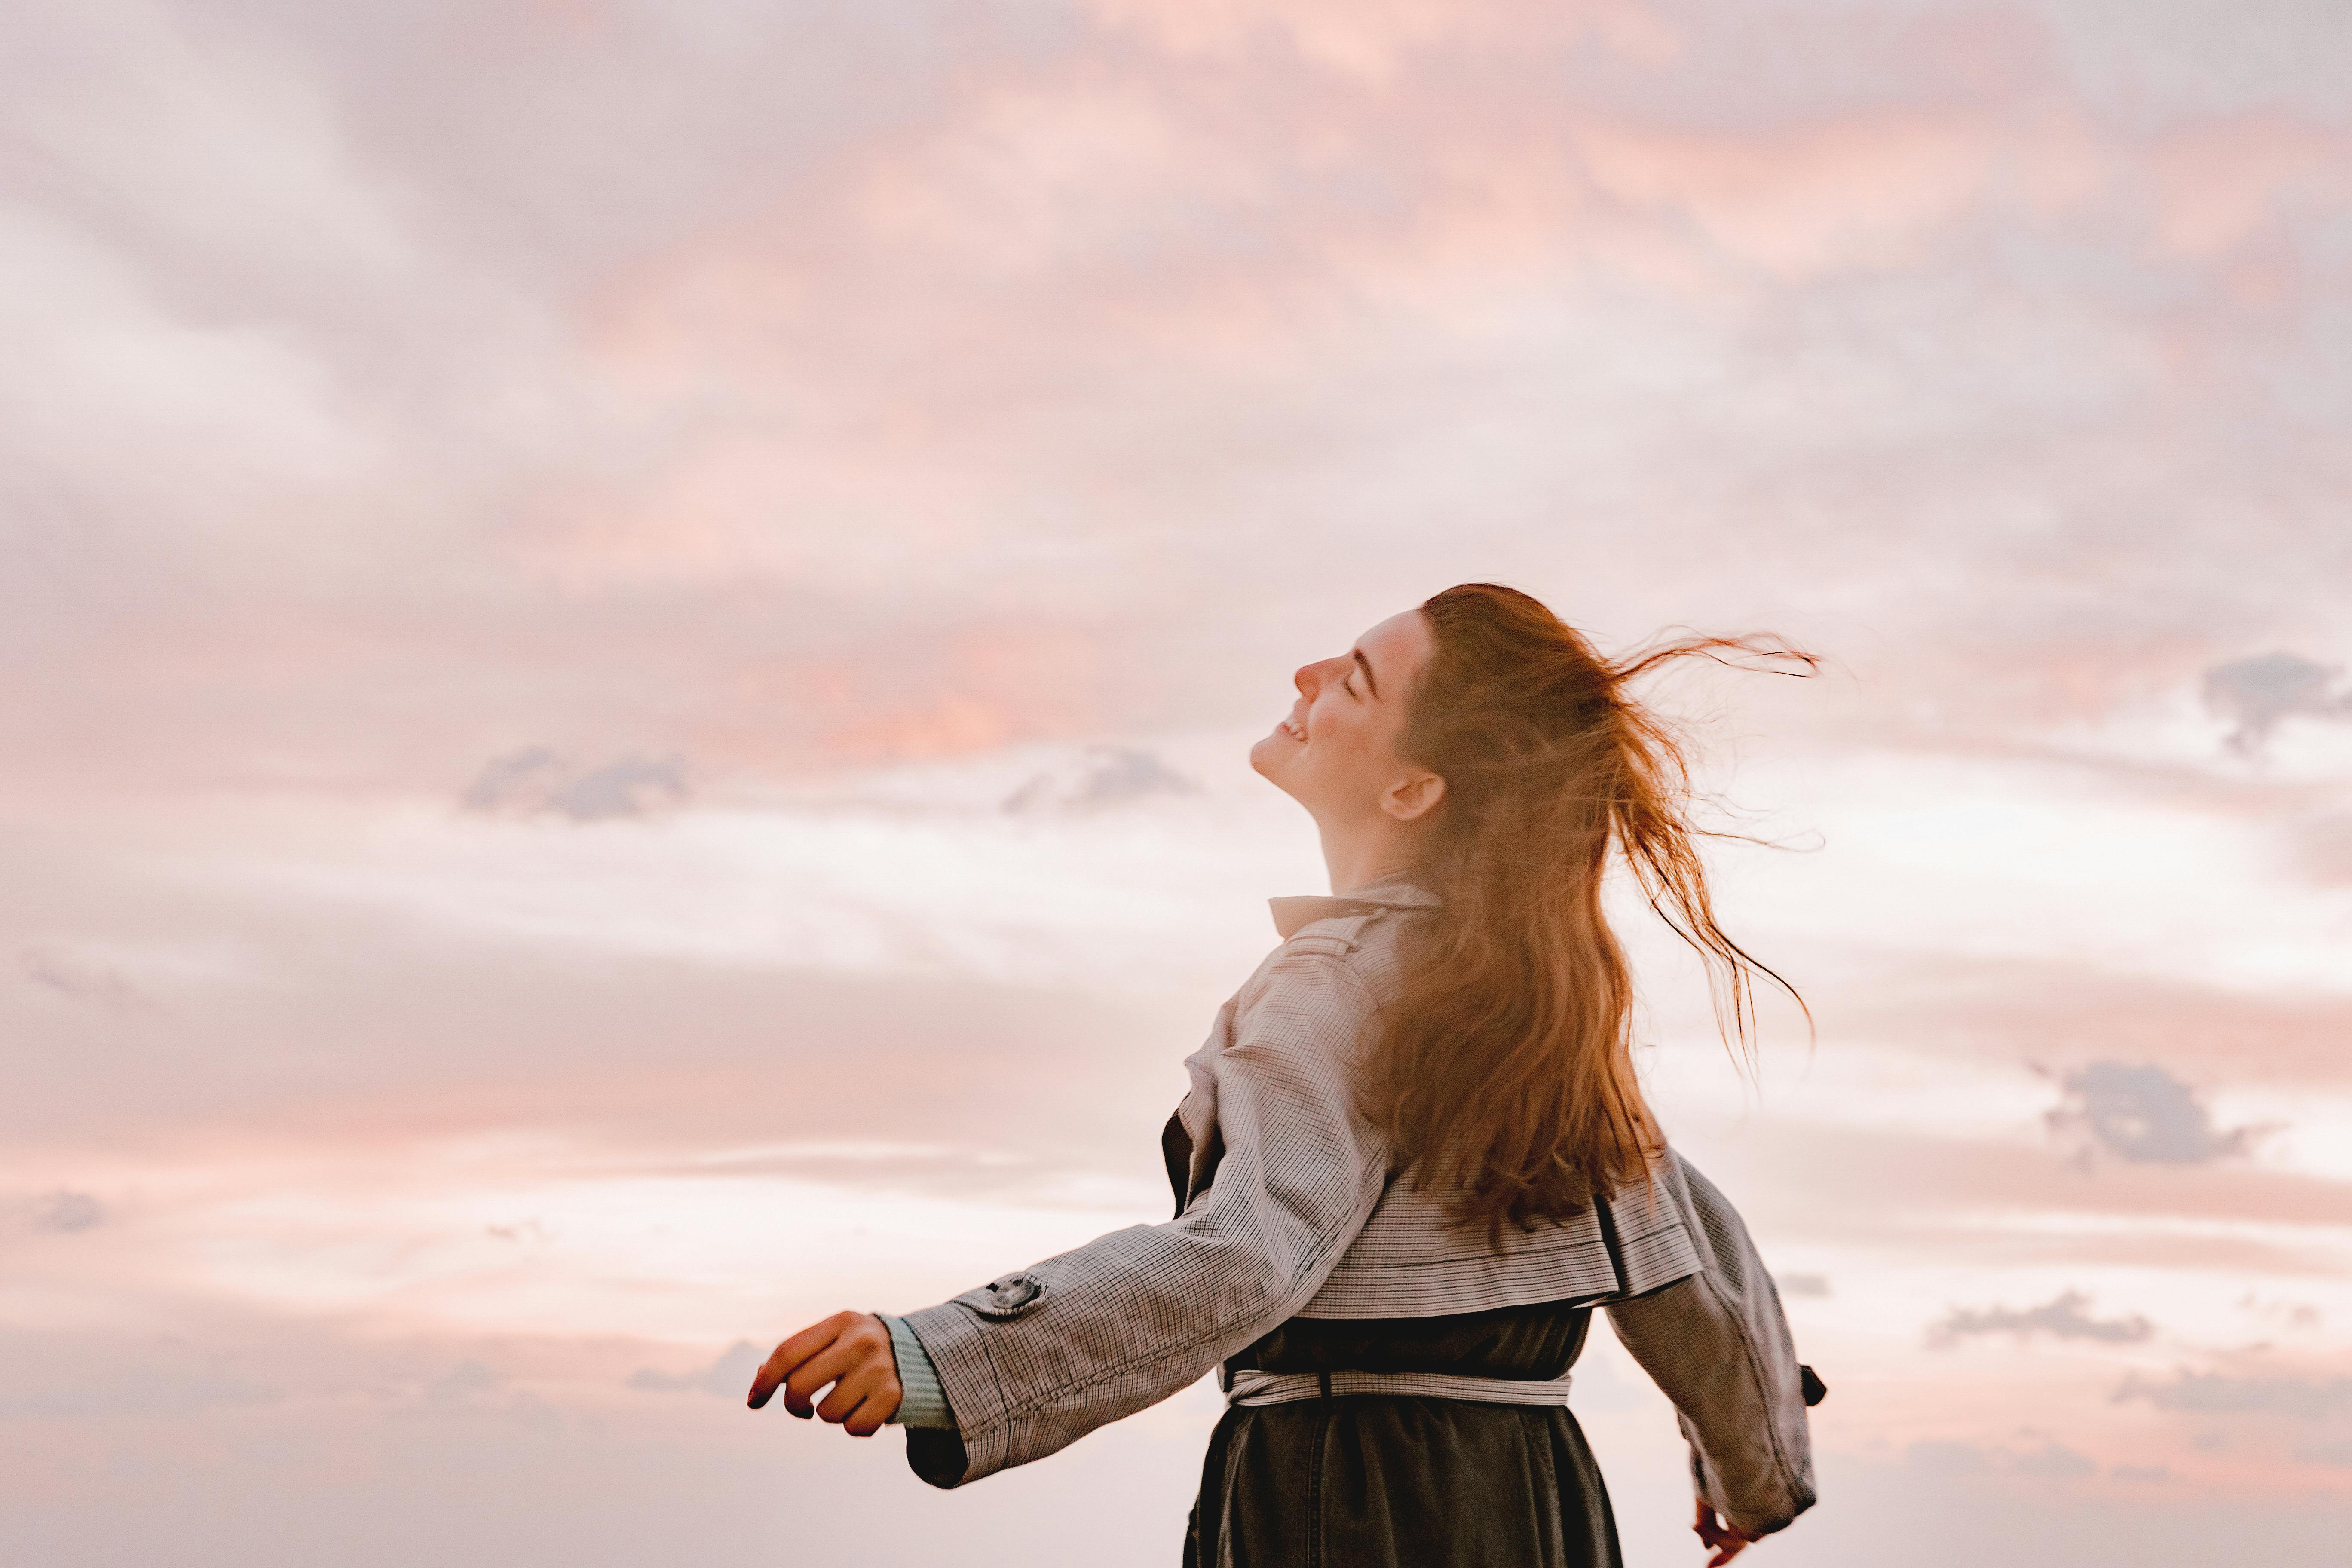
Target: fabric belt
point(1253, 1388)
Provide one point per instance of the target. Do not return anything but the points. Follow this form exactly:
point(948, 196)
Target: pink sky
point(632, 630)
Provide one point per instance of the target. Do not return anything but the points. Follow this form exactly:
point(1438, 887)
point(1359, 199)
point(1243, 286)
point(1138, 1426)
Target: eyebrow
point(1366, 666)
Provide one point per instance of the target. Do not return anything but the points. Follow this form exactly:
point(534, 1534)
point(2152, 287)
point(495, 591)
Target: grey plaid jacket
point(1292, 1211)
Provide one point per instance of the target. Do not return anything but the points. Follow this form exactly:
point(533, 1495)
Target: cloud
point(2259, 694)
point(2145, 1115)
point(462, 1383)
point(1188, 313)
point(730, 1375)
point(78, 979)
point(68, 1213)
point(2061, 1319)
point(2323, 846)
point(1951, 1460)
point(629, 786)
point(2336, 1452)
point(1101, 778)
point(1805, 1285)
point(1939, 1456)
point(140, 1389)
point(2292, 1314)
point(2056, 1462)
point(2213, 1392)
point(515, 778)
point(536, 781)
point(2147, 1475)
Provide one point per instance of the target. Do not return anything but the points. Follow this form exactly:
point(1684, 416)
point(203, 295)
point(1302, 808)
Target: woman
point(1413, 1158)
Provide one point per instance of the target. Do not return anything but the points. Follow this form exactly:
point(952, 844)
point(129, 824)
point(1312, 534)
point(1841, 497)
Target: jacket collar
point(1293, 914)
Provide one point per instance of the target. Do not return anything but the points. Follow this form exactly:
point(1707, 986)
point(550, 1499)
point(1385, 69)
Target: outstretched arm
point(1038, 1358)
point(1717, 1344)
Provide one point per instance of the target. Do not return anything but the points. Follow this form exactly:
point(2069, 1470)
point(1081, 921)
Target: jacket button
point(1015, 1290)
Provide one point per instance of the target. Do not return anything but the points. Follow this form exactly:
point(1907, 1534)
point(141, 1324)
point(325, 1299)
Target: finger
point(792, 1352)
point(827, 1365)
point(860, 1383)
point(772, 1372)
point(873, 1413)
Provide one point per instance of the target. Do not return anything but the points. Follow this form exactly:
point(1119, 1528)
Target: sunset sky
point(631, 628)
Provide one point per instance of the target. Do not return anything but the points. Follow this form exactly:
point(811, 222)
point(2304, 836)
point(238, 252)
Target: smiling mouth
point(1292, 728)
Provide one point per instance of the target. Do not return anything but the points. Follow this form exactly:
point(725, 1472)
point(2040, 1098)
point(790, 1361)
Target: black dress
point(1401, 1480)
point(1383, 1481)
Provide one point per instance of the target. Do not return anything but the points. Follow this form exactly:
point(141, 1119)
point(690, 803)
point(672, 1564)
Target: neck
point(1358, 859)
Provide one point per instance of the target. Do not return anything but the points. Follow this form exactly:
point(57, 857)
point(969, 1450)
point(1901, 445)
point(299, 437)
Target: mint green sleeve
point(925, 1403)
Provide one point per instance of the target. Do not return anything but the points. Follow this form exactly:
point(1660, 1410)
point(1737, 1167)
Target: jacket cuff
point(1794, 1495)
point(953, 1339)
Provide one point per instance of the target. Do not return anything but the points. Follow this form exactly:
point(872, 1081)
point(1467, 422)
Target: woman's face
point(1337, 754)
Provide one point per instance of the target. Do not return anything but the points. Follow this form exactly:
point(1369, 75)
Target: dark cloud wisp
point(2218, 1393)
point(2055, 1461)
point(2145, 1115)
point(1104, 777)
point(2064, 1318)
point(76, 980)
point(2258, 694)
point(538, 781)
point(66, 1213)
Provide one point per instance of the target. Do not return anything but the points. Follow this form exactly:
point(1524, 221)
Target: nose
point(1312, 678)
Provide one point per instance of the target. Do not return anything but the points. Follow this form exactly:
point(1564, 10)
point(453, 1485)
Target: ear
point(1413, 797)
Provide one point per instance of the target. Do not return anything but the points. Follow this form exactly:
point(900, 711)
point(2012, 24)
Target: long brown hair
point(1505, 1068)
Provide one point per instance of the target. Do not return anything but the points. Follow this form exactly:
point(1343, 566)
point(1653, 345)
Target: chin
point(1268, 756)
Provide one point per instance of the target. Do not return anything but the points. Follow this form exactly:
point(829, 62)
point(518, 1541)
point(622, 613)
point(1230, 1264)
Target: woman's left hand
point(1718, 1537)
point(850, 1351)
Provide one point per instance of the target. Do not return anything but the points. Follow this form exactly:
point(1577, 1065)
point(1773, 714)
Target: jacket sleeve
point(1717, 1344)
point(1037, 1359)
